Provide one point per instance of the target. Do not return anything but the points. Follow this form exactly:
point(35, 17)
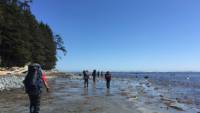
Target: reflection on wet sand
point(85, 91)
point(108, 92)
point(94, 91)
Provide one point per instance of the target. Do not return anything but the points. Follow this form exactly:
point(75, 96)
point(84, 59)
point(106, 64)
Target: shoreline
point(141, 94)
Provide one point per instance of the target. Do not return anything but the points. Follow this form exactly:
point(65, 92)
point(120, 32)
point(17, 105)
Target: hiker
point(108, 79)
point(94, 75)
point(33, 85)
point(85, 77)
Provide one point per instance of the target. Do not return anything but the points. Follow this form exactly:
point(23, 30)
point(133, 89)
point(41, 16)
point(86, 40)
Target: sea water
point(181, 86)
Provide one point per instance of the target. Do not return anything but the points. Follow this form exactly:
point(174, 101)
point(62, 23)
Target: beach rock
point(156, 88)
point(186, 101)
point(161, 96)
point(167, 101)
point(124, 93)
point(173, 104)
point(148, 84)
point(177, 106)
point(132, 97)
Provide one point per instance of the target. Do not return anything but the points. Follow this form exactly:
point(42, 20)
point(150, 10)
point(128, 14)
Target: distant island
point(24, 39)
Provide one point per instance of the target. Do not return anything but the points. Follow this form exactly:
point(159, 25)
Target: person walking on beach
point(108, 79)
point(85, 77)
point(94, 75)
point(33, 85)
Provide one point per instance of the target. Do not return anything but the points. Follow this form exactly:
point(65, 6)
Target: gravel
point(11, 82)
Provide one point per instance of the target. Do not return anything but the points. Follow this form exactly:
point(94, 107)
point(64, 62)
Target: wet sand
point(69, 96)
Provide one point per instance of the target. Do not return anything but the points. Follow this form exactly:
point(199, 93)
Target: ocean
point(183, 86)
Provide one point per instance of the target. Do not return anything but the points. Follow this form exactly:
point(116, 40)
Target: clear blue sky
point(125, 35)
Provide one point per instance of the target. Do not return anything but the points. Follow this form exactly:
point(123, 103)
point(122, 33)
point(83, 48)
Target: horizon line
point(135, 71)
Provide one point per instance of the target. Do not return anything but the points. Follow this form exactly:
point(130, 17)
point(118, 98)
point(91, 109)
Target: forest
point(23, 39)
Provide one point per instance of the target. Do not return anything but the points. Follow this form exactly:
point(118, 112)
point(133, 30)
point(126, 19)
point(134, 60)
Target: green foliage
point(23, 39)
point(60, 44)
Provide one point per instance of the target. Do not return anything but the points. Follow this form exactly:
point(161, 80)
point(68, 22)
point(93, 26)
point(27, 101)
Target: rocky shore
point(15, 80)
point(11, 81)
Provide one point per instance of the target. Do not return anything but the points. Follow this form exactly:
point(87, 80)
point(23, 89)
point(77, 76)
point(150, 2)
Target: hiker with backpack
point(86, 78)
point(33, 86)
point(108, 79)
point(94, 74)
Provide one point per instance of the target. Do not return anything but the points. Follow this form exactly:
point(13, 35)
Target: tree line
point(23, 39)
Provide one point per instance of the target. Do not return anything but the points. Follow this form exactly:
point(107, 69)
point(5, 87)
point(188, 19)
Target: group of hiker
point(95, 74)
point(36, 77)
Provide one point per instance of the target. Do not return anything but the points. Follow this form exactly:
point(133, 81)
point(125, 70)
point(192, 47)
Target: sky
point(125, 35)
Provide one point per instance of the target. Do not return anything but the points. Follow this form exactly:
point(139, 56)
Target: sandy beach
point(68, 96)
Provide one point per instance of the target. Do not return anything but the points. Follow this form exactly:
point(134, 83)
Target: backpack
point(33, 81)
point(108, 77)
point(86, 76)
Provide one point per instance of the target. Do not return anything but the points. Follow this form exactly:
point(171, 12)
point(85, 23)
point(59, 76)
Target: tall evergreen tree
point(23, 39)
